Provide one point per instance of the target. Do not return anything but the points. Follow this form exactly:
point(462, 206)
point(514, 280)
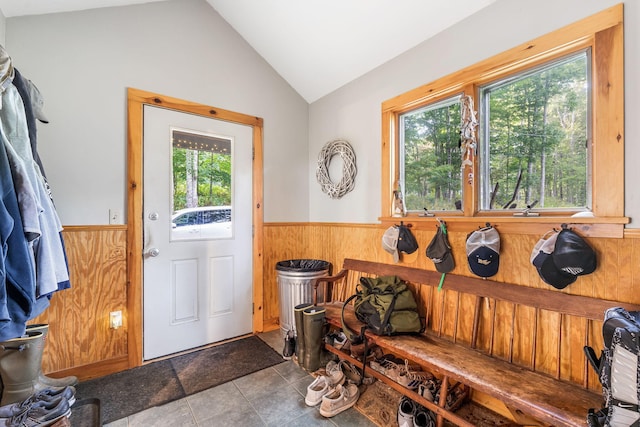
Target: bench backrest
point(540, 329)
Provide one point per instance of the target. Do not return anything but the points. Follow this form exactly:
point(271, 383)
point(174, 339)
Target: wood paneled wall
point(82, 343)
point(617, 278)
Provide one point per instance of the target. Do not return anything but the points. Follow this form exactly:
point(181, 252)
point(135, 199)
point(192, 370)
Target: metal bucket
point(296, 279)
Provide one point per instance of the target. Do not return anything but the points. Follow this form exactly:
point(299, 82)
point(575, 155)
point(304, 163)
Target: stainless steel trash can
point(296, 278)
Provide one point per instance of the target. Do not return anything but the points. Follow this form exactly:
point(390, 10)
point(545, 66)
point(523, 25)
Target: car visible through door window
point(210, 222)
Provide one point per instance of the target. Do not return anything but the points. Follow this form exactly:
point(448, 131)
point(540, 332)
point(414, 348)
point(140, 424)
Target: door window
point(201, 185)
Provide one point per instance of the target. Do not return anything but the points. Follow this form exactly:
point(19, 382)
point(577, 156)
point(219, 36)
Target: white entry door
point(197, 269)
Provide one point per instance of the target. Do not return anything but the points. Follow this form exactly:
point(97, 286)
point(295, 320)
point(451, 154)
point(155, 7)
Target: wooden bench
point(520, 345)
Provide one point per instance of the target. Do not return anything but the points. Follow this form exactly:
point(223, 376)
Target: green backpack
point(385, 305)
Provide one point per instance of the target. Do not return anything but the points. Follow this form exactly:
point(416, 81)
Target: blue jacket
point(17, 269)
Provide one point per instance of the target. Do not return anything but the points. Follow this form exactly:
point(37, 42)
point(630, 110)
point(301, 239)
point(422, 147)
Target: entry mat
point(125, 393)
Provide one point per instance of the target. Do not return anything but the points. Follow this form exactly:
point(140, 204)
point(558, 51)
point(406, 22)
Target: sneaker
point(354, 375)
point(50, 397)
point(451, 399)
point(316, 390)
point(333, 372)
point(428, 389)
point(68, 392)
point(289, 346)
point(423, 418)
point(41, 413)
point(387, 367)
point(412, 379)
point(340, 340)
point(406, 409)
point(339, 400)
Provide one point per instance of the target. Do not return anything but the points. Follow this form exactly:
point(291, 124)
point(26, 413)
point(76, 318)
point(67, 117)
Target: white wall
point(83, 62)
point(354, 111)
point(3, 28)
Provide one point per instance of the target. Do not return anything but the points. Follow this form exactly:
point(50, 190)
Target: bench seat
point(519, 345)
point(547, 399)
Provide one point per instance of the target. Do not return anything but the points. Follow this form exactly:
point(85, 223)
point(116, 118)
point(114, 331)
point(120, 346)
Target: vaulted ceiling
point(317, 46)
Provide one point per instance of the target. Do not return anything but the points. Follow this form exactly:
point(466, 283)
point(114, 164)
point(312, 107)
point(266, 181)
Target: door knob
point(153, 252)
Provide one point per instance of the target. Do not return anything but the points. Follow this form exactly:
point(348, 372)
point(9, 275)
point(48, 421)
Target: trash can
point(296, 278)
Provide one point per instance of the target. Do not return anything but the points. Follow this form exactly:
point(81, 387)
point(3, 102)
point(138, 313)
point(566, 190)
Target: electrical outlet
point(115, 216)
point(115, 319)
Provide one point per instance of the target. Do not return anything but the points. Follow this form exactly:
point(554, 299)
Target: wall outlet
point(115, 216)
point(115, 319)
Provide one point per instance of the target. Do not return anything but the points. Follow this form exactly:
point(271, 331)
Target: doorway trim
point(136, 100)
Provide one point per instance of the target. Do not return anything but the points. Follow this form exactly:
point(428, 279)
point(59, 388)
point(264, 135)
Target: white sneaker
point(406, 409)
point(334, 373)
point(341, 399)
point(316, 390)
point(340, 341)
point(424, 418)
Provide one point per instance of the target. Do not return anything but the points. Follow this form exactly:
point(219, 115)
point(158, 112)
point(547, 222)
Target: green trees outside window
point(431, 157)
point(533, 151)
point(201, 171)
point(534, 138)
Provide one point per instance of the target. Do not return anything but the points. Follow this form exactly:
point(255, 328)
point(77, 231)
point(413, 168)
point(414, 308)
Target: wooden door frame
point(136, 100)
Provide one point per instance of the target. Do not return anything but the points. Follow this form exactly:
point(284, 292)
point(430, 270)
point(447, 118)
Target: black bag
point(618, 367)
point(385, 305)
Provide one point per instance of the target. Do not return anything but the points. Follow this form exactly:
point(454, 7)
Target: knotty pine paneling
point(78, 317)
point(538, 337)
point(79, 332)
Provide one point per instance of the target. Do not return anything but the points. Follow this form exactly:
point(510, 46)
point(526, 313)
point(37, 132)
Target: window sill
point(612, 227)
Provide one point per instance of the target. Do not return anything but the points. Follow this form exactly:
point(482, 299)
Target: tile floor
point(271, 397)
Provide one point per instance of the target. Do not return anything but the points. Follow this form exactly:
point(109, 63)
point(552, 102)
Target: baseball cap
point(572, 254)
point(483, 251)
point(37, 102)
point(541, 258)
point(390, 242)
point(406, 241)
point(439, 252)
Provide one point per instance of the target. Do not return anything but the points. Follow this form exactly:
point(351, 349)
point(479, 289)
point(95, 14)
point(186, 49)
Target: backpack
point(618, 369)
point(385, 305)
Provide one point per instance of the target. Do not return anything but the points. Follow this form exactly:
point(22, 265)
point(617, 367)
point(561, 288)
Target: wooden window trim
point(603, 32)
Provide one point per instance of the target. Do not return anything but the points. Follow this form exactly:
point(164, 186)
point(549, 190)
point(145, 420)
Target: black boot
point(289, 346)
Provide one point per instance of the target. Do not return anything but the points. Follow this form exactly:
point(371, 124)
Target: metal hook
point(426, 213)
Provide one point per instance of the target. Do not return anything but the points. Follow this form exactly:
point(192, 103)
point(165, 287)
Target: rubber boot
point(289, 346)
point(313, 322)
point(298, 317)
point(19, 364)
point(43, 381)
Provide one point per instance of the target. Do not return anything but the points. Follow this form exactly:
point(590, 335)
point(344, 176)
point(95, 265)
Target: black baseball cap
point(573, 255)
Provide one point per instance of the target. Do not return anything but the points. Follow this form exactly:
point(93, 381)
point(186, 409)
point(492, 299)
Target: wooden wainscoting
point(617, 278)
point(82, 344)
point(80, 341)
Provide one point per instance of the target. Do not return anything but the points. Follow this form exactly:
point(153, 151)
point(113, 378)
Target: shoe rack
point(448, 386)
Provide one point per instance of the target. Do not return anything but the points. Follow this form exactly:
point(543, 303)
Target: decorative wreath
point(338, 147)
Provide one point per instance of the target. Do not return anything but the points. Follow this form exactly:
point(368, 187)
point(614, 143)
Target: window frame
point(603, 34)
point(483, 154)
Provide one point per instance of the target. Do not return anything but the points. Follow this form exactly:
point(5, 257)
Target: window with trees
point(201, 170)
point(535, 138)
point(430, 156)
point(549, 136)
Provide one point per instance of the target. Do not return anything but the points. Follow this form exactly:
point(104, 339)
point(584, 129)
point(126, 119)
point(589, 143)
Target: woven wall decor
point(342, 148)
